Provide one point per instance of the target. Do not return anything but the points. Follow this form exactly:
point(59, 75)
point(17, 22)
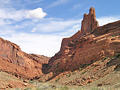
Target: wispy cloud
point(76, 6)
point(38, 32)
point(57, 2)
point(55, 25)
point(22, 14)
point(37, 43)
point(18, 3)
point(107, 19)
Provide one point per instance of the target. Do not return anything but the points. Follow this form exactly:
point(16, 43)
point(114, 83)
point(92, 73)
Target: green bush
point(105, 58)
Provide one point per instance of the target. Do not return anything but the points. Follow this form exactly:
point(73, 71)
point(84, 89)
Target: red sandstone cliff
point(90, 44)
point(87, 46)
point(19, 63)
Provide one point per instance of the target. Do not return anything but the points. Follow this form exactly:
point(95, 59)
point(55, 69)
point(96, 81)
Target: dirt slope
point(10, 81)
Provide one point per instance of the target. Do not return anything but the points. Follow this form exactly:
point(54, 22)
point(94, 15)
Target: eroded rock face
point(89, 22)
point(19, 63)
point(88, 45)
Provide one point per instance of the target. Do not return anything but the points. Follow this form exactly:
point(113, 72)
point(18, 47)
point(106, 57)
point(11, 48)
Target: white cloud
point(45, 44)
point(2, 22)
point(20, 32)
point(36, 43)
point(3, 3)
point(22, 14)
point(57, 2)
point(55, 26)
point(36, 13)
point(11, 14)
point(107, 19)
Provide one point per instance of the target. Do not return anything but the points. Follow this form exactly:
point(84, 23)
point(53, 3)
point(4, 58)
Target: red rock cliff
point(86, 46)
point(89, 24)
point(13, 60)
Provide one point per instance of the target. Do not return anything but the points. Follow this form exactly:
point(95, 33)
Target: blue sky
point(38, 26)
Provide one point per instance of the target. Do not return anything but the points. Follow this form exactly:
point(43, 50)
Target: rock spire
point(89, 22)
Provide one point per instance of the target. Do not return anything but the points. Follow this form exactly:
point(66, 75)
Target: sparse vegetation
point(113, 35)
point(105, 58)
point(117, 55)
point(68, 75)
point(80, 68)
point(31, 81)
point(84, 72)
point(57, 79)
point(28, 89)
point(64, 88)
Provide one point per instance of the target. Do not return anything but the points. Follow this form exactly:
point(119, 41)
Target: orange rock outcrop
point(91, 43)
point(89, 22)
point(19, 63)
point(88, 45)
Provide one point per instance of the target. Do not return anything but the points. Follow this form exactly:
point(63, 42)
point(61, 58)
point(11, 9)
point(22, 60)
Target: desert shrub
point(57, 79)
point(105, 58)
point(113, 35)
point(84, 65)
point(117, 55)
point(84, 72)
point(80, 68)
point(31, 81)
point(68, 75)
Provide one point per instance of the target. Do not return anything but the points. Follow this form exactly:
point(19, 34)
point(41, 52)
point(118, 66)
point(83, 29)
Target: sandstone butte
point(88, 45)
point(91, 43)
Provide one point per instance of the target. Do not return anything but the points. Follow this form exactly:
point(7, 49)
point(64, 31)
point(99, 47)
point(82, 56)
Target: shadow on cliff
point(46, 70)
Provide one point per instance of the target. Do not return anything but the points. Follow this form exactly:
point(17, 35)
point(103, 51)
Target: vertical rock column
point(89, 22)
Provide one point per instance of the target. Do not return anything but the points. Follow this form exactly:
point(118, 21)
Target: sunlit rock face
point(89, 22)
point(89, 44)
point(13, 60)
